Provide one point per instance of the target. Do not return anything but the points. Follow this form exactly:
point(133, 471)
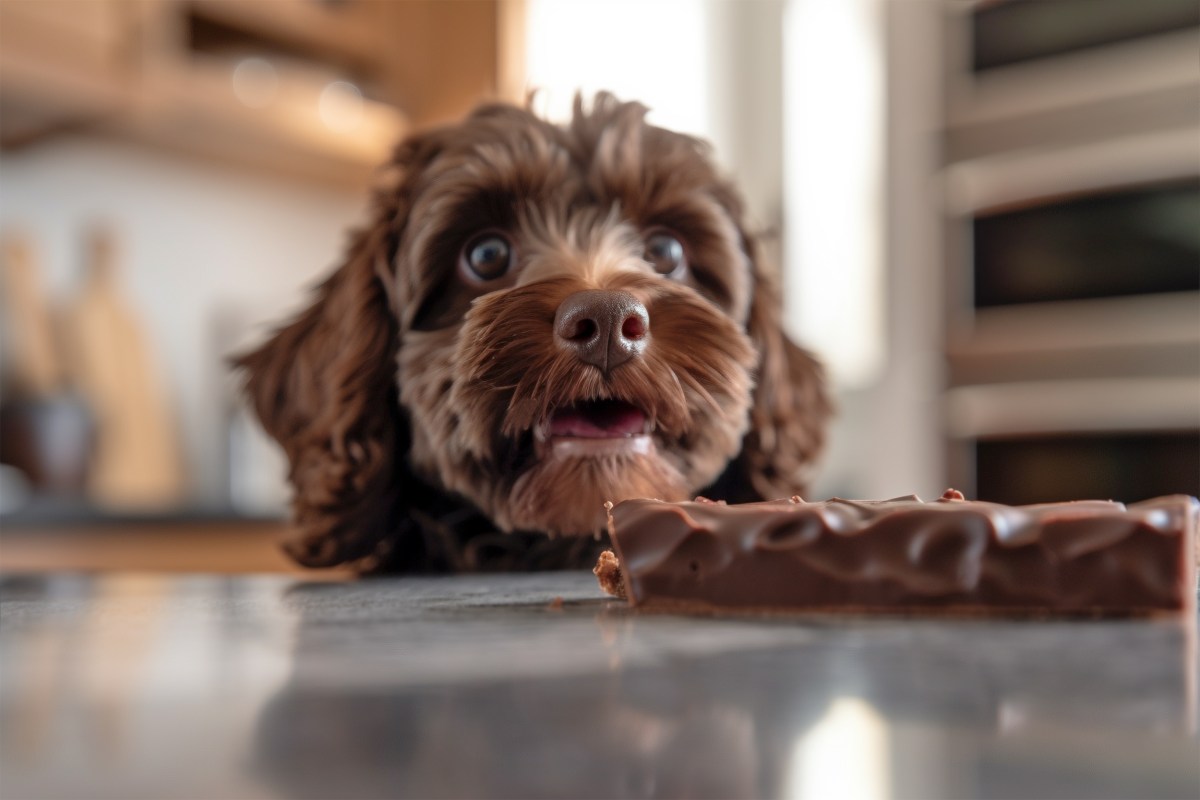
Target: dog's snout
point(603, 328)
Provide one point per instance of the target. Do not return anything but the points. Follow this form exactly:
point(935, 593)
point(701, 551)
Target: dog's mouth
point(593, 427)
point(598, 419)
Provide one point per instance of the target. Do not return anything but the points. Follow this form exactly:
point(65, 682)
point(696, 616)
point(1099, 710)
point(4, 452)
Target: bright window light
point(652, 51)
point(833, 154)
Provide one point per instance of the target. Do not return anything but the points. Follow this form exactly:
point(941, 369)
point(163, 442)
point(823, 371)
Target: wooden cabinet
point(151, 545)
point(318, 89)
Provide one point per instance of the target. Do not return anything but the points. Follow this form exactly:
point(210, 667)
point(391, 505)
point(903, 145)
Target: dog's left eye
point(489, 256)
point(665, 253)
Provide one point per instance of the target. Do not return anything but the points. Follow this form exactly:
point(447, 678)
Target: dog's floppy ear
point(325, 387)
point(791, 407)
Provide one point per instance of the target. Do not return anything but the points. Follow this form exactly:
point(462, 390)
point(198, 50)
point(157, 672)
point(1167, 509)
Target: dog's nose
point(603, 328)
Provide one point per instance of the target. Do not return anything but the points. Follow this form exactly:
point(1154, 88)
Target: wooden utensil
point(138, 460)
point(33, 365)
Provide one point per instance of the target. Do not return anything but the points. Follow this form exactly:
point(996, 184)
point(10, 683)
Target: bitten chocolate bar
point(907, 556)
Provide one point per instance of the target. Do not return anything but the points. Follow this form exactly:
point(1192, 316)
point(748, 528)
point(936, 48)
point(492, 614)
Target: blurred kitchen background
point(986, 214)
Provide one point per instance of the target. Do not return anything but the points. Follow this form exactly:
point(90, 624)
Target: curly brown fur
point(413, 399)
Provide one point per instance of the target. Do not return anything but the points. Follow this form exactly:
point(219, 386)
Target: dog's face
point(577, 319)
point(541, 319)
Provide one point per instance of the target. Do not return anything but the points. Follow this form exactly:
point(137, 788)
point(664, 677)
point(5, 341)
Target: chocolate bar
point(907, 556)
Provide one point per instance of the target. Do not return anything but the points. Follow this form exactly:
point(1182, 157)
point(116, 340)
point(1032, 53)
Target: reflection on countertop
point(255, 686)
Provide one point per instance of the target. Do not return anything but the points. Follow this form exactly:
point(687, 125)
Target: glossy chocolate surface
point(906, 555)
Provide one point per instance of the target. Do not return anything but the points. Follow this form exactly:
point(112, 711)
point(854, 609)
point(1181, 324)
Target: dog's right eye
point(488, 257)
point(665, 253)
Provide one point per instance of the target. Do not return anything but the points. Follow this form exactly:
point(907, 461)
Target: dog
point(539, 319)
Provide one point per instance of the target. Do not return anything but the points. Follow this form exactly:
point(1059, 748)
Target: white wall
point(198, 242)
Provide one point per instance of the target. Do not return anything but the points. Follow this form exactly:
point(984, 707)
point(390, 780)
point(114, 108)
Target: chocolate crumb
point(608, 575)
point(556, 604)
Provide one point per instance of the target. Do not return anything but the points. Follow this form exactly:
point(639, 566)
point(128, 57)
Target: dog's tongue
point(600, 419)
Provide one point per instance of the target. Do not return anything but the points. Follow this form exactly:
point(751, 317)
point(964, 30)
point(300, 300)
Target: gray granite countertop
point(155, 686)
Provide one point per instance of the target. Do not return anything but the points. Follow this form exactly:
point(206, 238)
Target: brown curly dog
point(538, 319)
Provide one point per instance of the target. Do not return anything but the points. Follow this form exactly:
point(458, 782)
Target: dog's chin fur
point(567, 495)
point(412, 394)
